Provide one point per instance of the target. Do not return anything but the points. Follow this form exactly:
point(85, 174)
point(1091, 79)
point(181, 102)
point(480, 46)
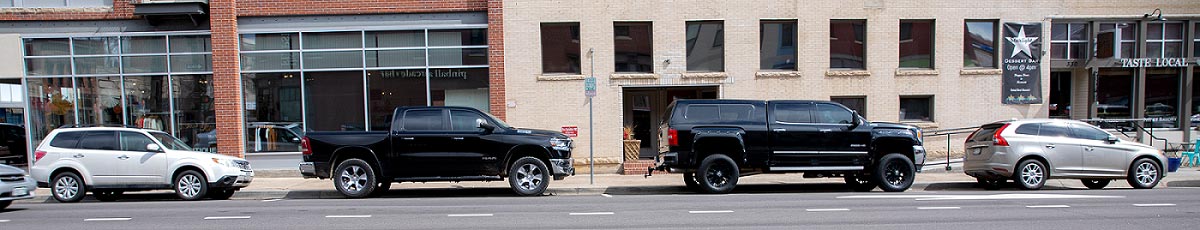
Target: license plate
point(20, 191)
point(977, 151)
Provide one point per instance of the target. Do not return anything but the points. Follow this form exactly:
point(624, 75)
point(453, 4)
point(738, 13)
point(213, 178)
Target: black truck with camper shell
point(713, 142)
point(437, 144)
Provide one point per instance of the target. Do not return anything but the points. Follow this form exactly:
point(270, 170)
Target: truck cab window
point(462, 120)
point(423, 120)
point(831, 114)
point(793, 112)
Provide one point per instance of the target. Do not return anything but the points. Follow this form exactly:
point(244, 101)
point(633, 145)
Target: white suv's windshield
point(170, 142)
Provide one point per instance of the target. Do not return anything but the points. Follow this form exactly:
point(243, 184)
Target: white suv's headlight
point(225, 162)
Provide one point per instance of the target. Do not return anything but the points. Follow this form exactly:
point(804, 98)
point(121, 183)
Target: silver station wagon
point(1031, 151)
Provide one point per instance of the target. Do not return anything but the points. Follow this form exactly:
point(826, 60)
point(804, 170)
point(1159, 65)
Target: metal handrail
point(1136, 122)
point(948, 133)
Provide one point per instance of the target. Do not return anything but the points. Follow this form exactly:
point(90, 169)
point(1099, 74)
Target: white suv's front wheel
point(68, 187)
point(191, 185)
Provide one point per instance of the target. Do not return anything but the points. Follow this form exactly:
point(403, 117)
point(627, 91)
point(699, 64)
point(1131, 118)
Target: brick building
point(246, 77)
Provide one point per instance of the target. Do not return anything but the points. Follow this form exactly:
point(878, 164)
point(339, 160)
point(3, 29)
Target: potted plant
point(632, 146)
point(1173, 160)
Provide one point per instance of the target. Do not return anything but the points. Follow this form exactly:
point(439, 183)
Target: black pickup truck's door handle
point(457, 138)
point(779, 130)
point(407, 138)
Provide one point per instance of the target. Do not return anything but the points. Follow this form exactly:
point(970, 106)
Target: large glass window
point(916, 108)
point(1162, 97)
point(1068, 40)
point(1114, 92)
point(334, 100)
point(705, 46)
point(916, 44)
point(1164, 40)
point(273, 112)
point(388, 89)
point(100, 100)
point(777, 45)
point(560, 48)
point(847, 44)
point(51, 105)
point(148, 102)
point(979, 44)
point(634, 46)
point(195, 117)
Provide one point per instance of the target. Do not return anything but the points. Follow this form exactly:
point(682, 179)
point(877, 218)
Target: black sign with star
point(1022, 64)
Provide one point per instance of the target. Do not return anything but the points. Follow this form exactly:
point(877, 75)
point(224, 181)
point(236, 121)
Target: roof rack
point(98, 125)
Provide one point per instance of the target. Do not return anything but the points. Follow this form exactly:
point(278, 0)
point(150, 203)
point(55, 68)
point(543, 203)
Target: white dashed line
point(938, 208)
point(226, 217)
point(469, 215)
point(590, 213)
point(710, 212)
point(4, 221)
point(827, 209)
point(109, 219)
point(272, 200)
point(348, 216)
point(1153, 205)
point(1048, 206)
point(605, 195)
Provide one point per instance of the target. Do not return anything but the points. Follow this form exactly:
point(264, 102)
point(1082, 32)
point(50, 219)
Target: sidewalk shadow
point(972, 186)
point(741, 188)
point(1184, 183)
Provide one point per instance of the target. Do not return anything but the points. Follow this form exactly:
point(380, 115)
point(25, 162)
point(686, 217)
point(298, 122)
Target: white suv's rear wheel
point(68, 187)
point(191, 185)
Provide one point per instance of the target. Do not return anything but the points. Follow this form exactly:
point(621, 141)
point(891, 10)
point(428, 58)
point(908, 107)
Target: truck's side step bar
point(818, 168)
point(440, 178)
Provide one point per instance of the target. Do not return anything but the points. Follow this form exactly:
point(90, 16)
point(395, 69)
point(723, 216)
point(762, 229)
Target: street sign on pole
point(589, 86)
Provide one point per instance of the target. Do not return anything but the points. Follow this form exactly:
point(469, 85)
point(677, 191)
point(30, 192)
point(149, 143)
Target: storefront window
point(388, 89)
point(271, 41)
point(148, 102)
point(979, 43)
point(100, 100)
point(45, 56)
point(97, 46)
point(777, 45)
point(459, 87)
point(334, 100)
point(1162, 97)
point(848, 44)
point(1114, 92)
point(273, 109)
point(916, 44)
point(195, 117)
point(51, 105)
point(705, 46)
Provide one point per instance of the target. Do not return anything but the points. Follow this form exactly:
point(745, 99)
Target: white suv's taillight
point(37, 155)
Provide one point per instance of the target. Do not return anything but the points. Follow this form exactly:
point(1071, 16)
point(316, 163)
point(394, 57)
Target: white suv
point(109, 161)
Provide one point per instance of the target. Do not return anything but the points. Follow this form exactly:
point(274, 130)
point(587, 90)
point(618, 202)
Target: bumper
point(987, 170)
point(308, 170)
point(562, 168)
point(233, 181)
point(18, 190)
point(919, 156)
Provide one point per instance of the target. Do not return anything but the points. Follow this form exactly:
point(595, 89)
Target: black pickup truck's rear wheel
point(895, 173)
point(860, 183)
point(689, 181)
point(354, 178)
point(528, 176)
point(717, 174)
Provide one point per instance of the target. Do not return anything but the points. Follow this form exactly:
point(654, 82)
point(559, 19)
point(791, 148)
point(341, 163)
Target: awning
point(186, 8)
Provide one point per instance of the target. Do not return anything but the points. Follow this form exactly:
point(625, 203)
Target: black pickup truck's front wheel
point(354, 178)
point(528, 176)
point(717, 174)
point(895, 173)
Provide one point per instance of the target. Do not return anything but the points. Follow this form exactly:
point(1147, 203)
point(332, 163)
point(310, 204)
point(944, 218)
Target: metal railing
point(948, 133)
point(1136, 124)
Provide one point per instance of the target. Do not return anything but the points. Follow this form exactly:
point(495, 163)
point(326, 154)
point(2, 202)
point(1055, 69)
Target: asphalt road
point(1163, 208)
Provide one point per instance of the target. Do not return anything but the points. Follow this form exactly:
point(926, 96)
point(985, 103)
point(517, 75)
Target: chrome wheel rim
point(1031, 174)
point(66, 187)
point(189, 185)
point(354, 178)
point(529, 177)
point(893, 174)
point(717, 175)
point(1146, 173)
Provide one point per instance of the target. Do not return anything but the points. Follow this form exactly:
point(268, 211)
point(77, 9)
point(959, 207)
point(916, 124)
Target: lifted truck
point(437, 144)
point(713, 142)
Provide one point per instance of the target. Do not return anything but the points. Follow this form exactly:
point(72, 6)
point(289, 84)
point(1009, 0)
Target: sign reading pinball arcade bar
point(1022, 63)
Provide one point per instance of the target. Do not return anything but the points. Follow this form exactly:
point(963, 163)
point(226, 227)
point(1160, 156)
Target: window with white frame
point(1068, 40)
point(1125, 38)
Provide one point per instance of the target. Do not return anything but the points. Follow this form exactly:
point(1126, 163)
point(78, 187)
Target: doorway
point(644, 108)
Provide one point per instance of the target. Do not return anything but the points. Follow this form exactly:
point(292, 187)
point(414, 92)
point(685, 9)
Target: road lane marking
point(1153, 205)
point(589, 213)
point(272, 200)
point(1048, 206)
point(938, 208)
point(348, 216)
point(605, 195)
point(827, 209)
point(4, 221)
point(710, 212)
point(226, 217)
point(109, 219)
point(980, 197)
point(470, 215)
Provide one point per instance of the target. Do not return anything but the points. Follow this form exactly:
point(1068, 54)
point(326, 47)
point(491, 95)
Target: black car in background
point(13, 150)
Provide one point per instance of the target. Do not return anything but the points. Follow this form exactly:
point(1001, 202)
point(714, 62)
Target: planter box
point(633, 149)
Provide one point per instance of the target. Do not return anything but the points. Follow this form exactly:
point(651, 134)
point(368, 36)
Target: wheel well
point(62, 170)
point(524, 151)
point(180, 170)
point(1034, 157)
point(349, 153)
point(729, 146)
point(1155, 160)
point(888, 146)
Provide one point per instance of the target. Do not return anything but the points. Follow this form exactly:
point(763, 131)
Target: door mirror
point(1112, 139)
point(295, 140)
point(153, 148)
point(487, 128)
point(855, 121)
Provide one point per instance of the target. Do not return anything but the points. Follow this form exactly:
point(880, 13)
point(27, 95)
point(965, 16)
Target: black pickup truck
point(713, 142)
point(437, 144)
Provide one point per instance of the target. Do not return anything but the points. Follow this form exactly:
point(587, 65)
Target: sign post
point(589, 90)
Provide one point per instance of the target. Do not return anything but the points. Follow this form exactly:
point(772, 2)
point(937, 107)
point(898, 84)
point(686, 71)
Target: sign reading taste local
point(1157, 62)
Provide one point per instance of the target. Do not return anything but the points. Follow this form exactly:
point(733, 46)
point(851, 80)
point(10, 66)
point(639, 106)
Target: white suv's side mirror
point(153, 148)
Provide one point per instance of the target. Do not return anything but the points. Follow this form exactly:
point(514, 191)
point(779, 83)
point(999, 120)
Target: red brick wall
point(226, 73)
point(121, 10)
point(327, 7)
point(496, 58)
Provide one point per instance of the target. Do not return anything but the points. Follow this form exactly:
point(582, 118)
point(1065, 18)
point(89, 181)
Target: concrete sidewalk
point(932, 180)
